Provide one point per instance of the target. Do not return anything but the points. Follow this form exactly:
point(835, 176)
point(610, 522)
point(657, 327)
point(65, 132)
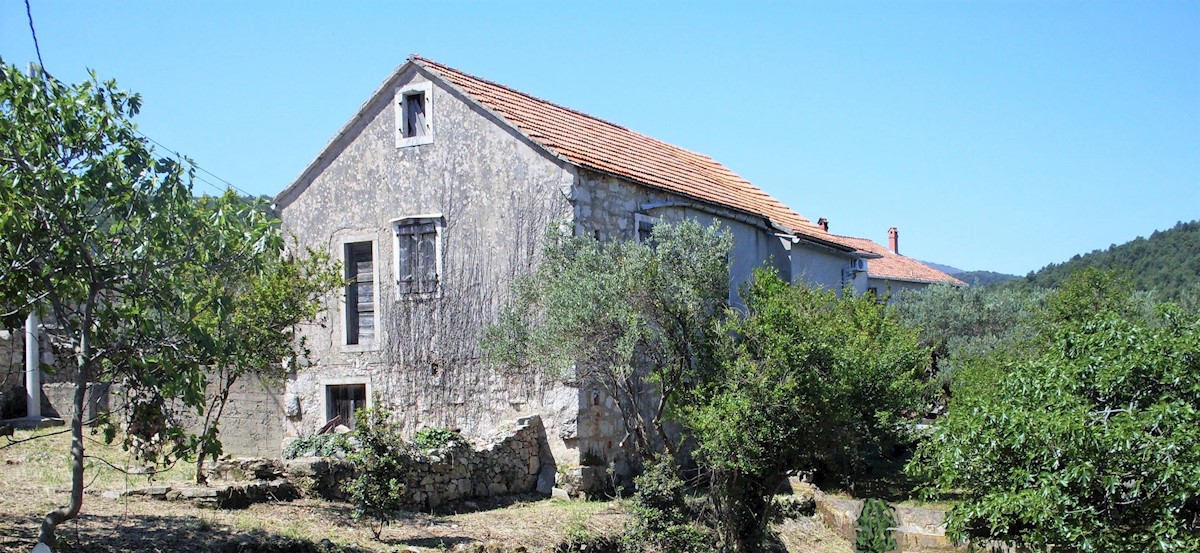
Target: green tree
point(962, 324)
point(1091, 445)
point(106, 239)
point(807, 381)
point(245, 309)
point(634, 318)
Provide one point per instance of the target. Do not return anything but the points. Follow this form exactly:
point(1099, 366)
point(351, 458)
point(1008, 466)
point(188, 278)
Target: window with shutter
point(643, 227)
point(360, 293)
point(418, 254)
point(414, 114)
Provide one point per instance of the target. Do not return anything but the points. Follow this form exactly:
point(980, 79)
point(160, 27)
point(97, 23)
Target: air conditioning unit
point(858, 264)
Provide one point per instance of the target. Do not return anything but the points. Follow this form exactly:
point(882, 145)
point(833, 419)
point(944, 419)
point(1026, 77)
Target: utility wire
point(193, 164)
point(36, 48)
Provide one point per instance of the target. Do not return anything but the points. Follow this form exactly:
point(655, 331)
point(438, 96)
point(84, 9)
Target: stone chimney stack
point(823, 223)
point(894, 240)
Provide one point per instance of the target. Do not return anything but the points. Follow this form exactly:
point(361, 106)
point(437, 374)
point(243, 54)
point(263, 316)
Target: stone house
point(892, 273)
point(437, 193)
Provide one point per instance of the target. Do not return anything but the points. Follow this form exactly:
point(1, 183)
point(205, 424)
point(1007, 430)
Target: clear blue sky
point(1000, 136)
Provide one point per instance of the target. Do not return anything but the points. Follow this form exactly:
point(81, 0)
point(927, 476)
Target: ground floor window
point(343, 401)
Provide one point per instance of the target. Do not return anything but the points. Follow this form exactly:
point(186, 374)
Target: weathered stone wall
point(58, 400)
point(515, 459)
point(12, 373)
point(607, 204)
point(497, 193)
point(917, 530)
point(821, 267)
point(252, 423)
point(510, 462)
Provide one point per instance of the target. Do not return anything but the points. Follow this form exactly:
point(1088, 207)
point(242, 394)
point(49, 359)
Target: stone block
point(545, 480)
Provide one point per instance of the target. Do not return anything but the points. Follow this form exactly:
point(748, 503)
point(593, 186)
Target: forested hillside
point(1167, 262)
point(984, 278)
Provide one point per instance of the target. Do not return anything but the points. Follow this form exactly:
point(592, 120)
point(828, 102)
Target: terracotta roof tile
point(897, 267)
point(602, 146)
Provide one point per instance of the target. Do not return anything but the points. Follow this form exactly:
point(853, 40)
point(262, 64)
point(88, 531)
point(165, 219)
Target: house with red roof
point(891, 273)
point(438, 192)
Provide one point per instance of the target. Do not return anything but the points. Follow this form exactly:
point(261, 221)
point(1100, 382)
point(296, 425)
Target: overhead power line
point(32, 31)
point(196, 166)
point(38, 49)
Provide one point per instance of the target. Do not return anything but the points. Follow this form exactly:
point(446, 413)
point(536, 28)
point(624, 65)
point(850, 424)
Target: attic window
point(414, 115)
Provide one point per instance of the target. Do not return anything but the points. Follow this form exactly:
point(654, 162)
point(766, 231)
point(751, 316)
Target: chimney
point(823, 223)
point(894, 240)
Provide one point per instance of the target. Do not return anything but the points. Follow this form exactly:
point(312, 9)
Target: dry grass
point(35, 479)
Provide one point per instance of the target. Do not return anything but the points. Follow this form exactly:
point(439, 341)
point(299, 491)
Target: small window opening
point(344, 401)
point(643, 228)
point(414, 115)
point(360, 293)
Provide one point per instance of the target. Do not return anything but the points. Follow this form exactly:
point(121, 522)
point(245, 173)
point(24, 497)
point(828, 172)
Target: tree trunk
point(211, 418)
point(84, 363)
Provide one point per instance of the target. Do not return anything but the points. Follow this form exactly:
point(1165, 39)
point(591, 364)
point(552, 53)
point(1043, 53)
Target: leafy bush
point(809, 382)
point(437, 438)
point(317, 445)
point(382, 462)
point(874, 533)
point(661, 520)
point(1093, 445)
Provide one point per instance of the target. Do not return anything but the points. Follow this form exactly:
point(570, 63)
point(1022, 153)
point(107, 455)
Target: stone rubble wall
point(515, 460)
point(509, 463)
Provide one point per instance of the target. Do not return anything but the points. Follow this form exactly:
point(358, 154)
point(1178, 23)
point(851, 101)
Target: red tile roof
point(897, 267)
point(606, 147)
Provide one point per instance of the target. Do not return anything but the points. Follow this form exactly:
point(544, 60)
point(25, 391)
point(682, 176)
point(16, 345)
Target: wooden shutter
point(360, 293)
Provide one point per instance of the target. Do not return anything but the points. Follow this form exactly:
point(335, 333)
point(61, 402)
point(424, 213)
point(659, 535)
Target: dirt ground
point(34, 478)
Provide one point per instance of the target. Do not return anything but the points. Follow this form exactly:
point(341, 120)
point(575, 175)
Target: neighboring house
point(437, 193)
point(892, 273)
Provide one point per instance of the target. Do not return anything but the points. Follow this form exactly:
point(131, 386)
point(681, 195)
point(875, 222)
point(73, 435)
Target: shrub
point(437, 438)
point(317, 445)
point(382, 462)
point(661, 521)
point(874, 533)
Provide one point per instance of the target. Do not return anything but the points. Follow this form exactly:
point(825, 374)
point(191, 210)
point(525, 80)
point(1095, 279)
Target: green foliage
point(437, 438)
point(874, 531)
point(145, 284)
point(984, 278)
point(1091, 445)
point(961, 325)
point(661, 520)
point(317, 445)
point(808, 381)
point(1165, 262)
point(620, 315)
point(245, 302)
point(382, 461)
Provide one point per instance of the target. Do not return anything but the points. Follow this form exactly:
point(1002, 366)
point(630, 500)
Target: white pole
point(33, 370)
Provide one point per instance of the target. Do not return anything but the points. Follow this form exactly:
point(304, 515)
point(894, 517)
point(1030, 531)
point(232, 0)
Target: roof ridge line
point(422, 61)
